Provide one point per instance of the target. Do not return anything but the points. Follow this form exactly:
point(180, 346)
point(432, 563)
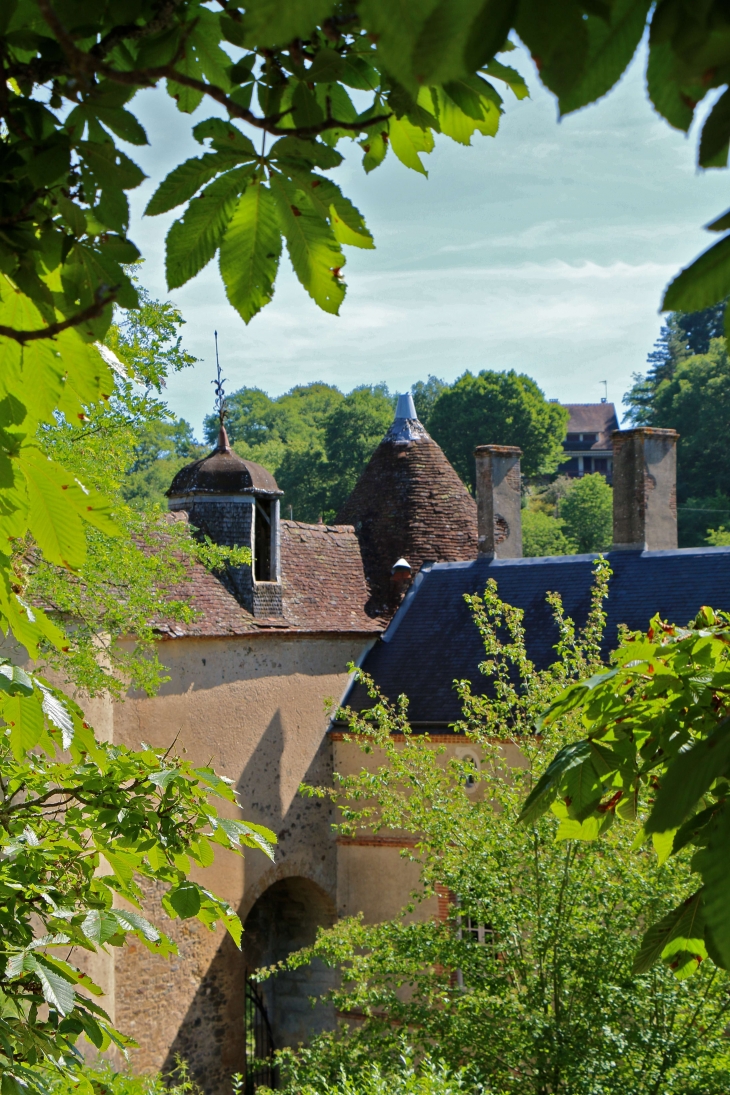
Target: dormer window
point(262, 540)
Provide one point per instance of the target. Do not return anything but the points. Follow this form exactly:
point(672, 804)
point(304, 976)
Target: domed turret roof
point(408, 503)
point(223, 472)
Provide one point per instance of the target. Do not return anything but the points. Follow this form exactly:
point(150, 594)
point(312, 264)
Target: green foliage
point(404, 1078)
point(543, 534)
point(658, 720)
point(126, 584)
point(353, 430)
point(719, 537)
point(529, 984)
point(425, 393)
point(498, 409)
point(691, 395)
point(103, 1079)
point(587, 511)
point(71, 804)
point(161, 448)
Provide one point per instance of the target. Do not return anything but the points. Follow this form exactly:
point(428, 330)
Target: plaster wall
point(257, 711)
point(374, 877)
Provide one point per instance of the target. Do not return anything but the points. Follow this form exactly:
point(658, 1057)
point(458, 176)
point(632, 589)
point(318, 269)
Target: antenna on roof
point(604, 397)
point(220, 395)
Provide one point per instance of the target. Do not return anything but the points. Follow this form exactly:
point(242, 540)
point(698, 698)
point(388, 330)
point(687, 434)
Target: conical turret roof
point(223, 472)
point(408, 503)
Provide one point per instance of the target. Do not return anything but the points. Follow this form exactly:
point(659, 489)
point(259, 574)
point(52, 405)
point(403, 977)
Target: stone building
point(255, 678)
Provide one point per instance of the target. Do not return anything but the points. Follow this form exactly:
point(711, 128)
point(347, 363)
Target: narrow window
point(262, 540)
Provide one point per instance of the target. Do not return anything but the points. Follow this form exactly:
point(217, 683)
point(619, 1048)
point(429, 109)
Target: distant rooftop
point(593, 418)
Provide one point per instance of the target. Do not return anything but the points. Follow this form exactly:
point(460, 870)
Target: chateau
point(255, 678)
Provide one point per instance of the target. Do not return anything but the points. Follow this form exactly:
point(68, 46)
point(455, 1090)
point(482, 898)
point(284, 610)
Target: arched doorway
point(284, 919)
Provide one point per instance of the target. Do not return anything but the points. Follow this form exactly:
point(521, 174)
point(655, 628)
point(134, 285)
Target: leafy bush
point(103, 1079)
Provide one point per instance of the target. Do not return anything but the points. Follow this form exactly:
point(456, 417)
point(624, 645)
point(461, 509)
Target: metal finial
point(220, 395)
point(604, 397)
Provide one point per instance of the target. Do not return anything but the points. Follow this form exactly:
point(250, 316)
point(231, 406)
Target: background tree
point(498, 409)
point(688, 390)
point(425, 393)
point(544, 534)
point(313, 439)
point(530, 982)
point(161, 449)
point(586, 509)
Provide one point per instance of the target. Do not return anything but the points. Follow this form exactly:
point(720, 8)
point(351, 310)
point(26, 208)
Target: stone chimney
point(644, 489)
point(499, 501)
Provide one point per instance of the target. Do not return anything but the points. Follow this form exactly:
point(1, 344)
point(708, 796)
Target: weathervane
point(220, 395)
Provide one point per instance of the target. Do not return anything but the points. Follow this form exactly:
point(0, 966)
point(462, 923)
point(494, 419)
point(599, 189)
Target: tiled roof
point(597, 418)
point(218, 613)
point(432, 640)
point(409, 502)
point(324, 583)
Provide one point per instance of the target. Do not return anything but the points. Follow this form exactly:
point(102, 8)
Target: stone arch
point(283, 919)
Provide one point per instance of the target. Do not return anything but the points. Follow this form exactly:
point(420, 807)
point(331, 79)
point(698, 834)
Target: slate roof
point(324, 589)
point(600, 418)
point(432, 640)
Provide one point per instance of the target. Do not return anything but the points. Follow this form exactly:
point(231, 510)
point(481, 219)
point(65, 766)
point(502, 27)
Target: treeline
point(316, 440)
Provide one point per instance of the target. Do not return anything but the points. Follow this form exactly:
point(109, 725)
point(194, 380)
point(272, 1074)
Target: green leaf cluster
point(70, 805)
point(688, 392)
point(543, 534)
point(544, 996)
point(657, 722)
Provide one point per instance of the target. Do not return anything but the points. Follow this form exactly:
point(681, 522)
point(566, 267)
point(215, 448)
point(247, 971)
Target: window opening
point(476, 931)
point(262, 540)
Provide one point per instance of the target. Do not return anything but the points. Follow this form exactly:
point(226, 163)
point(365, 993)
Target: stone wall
point(257, 711)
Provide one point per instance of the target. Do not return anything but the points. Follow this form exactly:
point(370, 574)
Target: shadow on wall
point(284, 919)
point(211, 1038)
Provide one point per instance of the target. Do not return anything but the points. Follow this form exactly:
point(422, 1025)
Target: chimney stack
point(499, 501)
point(644, 489)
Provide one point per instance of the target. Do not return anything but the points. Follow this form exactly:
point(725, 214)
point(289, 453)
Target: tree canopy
point(688, 389)
point(498, 409)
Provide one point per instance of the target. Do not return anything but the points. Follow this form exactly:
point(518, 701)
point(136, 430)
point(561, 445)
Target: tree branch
point(87, 64)
point(54, 329)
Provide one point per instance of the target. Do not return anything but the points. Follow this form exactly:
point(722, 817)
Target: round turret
point(223, 472)
point(408, 504)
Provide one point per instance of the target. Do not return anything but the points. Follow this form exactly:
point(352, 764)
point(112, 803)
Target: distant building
point(588, 446)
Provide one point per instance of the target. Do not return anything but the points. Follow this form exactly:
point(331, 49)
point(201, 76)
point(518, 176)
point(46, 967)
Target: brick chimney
point(644, 489)
point(499, 501)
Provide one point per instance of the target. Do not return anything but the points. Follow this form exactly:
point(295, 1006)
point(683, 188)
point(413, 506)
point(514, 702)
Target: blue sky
point(545, 250)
